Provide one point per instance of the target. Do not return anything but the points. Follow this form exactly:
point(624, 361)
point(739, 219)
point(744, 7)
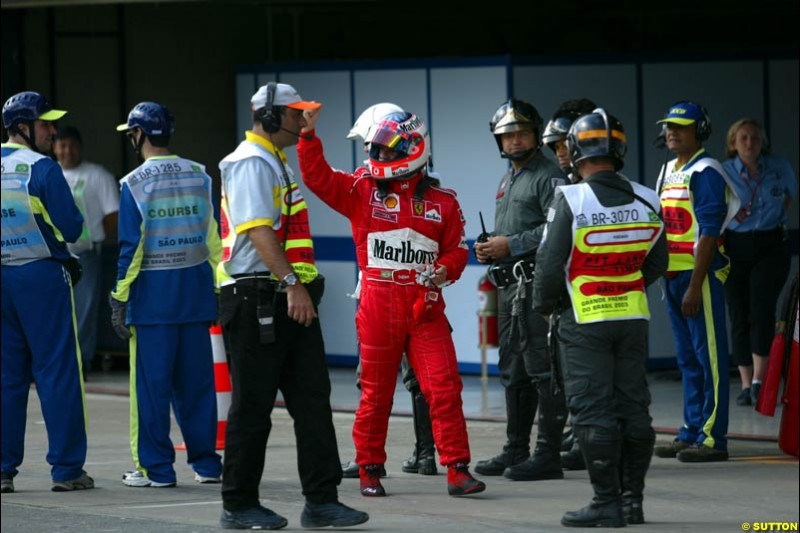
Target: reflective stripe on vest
point(174, 198)
point(680, 221)
point(604, 277)
point(23, 241)
point(84, 242)
point(299, 247)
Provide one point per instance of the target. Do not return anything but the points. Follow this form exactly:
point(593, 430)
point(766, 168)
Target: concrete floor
point(487, 401)
point(759, 484)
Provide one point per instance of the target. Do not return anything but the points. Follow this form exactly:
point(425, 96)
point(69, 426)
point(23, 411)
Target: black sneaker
point(744, 399)
point(497, 464)
point(702, 454)
point(331, 514)
point(6, 483)
point(254, 518)
point(670, 450)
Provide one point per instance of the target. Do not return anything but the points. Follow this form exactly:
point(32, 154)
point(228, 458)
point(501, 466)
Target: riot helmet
point(516, 115)
point(597, 134)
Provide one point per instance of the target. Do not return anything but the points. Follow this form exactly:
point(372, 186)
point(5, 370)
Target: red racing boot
point(370, 477)
point(461, 483)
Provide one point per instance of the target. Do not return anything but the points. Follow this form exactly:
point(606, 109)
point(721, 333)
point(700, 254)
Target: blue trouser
point(173, 363)
point(38, 340)
point(702, 351)
point(87, 299)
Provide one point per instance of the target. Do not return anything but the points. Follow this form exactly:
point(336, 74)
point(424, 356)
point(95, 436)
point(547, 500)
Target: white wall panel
point(337, 311)
point(463, 101)
point(332, 89)
point(610, 86)
point(406, 88)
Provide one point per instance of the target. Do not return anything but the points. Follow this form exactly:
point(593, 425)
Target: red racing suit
point(396, 236)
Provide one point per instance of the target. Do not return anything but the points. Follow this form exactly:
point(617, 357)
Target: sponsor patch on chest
point(389, 203)
point(400, 249)
point(383, 215)
point(426, 210)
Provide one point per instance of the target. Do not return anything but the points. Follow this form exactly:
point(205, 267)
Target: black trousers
point(295, 365)
point(605, 375)
point(519, 364)
point(760, 263)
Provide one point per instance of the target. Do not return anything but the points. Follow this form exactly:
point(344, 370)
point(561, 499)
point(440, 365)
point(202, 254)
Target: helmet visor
point(558, 126)
point(391, 138)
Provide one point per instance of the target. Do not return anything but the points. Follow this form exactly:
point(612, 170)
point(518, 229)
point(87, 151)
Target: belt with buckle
point(258, 280)
point(509, 274)
point(401, 277)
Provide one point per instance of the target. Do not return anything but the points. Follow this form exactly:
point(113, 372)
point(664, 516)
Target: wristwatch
point(289, 280)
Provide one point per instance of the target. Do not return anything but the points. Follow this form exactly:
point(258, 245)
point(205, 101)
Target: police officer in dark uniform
point(555, 138)
point(555, 133)
point(522, 200)
point(607, 235)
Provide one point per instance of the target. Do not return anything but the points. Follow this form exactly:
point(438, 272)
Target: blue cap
point(683, 114)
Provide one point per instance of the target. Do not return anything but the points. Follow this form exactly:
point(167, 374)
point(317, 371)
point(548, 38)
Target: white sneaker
point(204, 479)
point(137, 479)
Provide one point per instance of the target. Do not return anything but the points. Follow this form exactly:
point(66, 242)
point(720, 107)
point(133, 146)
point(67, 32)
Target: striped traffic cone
point(222, 384)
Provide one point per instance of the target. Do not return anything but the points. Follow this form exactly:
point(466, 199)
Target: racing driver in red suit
point(409, 237)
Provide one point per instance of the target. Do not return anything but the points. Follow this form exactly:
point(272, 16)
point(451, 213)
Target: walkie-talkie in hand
point(484, 236)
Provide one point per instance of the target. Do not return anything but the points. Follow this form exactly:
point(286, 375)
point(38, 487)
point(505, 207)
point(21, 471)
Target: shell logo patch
point(391, 203)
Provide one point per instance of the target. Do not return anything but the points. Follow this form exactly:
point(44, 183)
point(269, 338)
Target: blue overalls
point(38, 322)
point(169, 249)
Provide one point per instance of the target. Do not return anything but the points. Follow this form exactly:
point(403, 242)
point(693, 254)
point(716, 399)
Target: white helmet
point(370, 117)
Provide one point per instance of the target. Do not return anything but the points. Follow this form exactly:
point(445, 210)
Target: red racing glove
point(428, 305)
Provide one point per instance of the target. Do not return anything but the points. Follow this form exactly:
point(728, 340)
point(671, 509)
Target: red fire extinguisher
point(784, 364)
point(788, 437)
point(487, 313)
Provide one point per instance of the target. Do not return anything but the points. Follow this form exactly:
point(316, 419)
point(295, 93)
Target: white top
point(251, 196)
point(96, 193)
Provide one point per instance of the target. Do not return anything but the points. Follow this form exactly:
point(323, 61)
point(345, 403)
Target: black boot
point(521, 405)
point(545, 463)
point(573, 459)
point(635, 460)
point(568, 440)
point(423, 460)
point(601, 451)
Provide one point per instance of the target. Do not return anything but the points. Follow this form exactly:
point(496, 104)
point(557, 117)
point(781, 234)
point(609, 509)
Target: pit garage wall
point(458, 98)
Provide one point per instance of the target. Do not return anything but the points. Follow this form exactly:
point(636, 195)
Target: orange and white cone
point(222, 384)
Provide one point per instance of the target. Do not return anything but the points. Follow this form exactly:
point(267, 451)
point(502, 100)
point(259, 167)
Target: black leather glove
point(74, 269)
point(118, 312)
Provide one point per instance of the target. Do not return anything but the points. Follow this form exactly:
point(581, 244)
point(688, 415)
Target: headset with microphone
point(270, 118)
point(702, 126)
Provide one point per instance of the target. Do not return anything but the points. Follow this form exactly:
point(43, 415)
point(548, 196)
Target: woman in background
point(756, 242)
